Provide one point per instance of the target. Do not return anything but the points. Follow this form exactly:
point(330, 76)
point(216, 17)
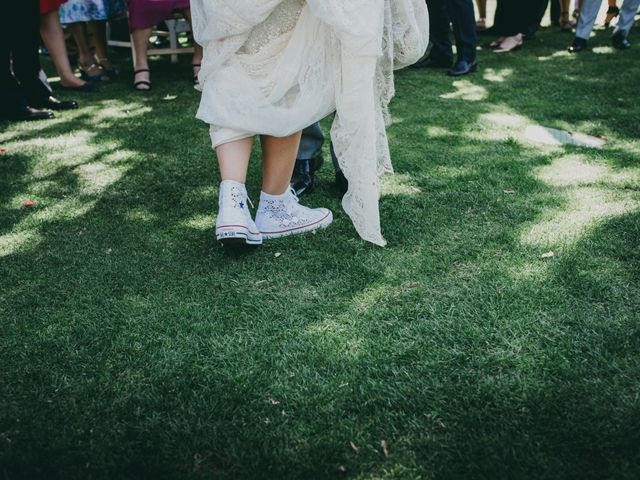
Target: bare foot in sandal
point(142, 80)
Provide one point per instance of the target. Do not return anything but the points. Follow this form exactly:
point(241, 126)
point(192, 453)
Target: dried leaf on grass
point(385, 447)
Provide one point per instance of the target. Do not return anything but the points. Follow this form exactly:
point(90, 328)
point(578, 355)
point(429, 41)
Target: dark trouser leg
point(11, 98)
point(512, 19)
point(26, 39)
point(311, 142)
point(440, 31)
point(555, 12)
point(534, 13)
point(464, 28)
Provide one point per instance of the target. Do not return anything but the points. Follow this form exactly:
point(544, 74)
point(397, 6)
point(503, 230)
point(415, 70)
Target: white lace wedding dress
point(276, 66)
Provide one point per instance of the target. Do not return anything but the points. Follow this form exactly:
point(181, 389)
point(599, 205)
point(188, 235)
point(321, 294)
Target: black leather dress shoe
point(463, 67)
point(578, 45)
point(620, 42)
point(432, 62)
point(27, 113)
point(341, 182)
point(304, 173)
point(52, 103)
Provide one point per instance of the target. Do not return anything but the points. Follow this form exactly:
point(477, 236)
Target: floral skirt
point(74, 11)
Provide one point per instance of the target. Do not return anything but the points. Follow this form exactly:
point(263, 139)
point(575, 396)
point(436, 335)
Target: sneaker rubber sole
point(324, 222)
point(237, 236)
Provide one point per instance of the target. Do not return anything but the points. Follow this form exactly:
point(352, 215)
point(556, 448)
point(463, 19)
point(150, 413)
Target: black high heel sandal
point(566, 25)
point(147, 83)
point(612, 13)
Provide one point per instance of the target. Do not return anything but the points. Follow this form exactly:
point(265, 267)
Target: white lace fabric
point(275, 67)
point(284, 212)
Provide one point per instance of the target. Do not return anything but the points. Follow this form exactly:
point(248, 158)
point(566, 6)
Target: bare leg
point(481, 21)
point(140, 38)
point(86, 60)
point(279, 157)
point(233, 158)
point(564, 20)
point(98, 31)
point(53, 37)
point(482, 8)
point(612, 12)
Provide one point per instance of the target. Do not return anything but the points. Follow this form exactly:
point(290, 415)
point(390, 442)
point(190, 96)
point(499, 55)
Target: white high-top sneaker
point(234, 225)
point(282, 215)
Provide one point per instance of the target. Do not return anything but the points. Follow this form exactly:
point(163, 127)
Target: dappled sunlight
point(603, 50)
point(503, 126)
point(536, 271)
point(552, 136)
point(439, 132)
point(586, 207)
point(571, 170)
point(200, 222)
point(110, 110)
point(499, 126)
point(141, 215)
point(499, 76)
point(66, 209)
point(450, 171)
point(21, 241)
point(504, 119)
point(96, 177)
point(208, 193)
point(465, 90)
point(340, 334)
point(564, 54)
point(398, 184)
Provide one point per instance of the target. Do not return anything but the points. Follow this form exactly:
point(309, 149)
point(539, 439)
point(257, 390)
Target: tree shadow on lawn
point(133, 336)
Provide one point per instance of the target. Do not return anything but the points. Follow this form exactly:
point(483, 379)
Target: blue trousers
point(311, 145)
point(589, 11)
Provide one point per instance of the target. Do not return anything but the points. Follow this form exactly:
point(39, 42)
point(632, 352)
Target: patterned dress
point(74, 11)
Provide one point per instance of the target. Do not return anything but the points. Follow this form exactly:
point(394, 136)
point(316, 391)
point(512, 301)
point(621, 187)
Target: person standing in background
point(53, 38)
point(87, 18)
point(143, 15)
point(589, 11)
point(443, 14)
point(23, 88)
point(481, 23)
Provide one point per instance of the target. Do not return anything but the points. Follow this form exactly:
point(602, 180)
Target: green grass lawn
point(134, 346)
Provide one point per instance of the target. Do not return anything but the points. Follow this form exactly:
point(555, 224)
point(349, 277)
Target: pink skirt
point(147, 13)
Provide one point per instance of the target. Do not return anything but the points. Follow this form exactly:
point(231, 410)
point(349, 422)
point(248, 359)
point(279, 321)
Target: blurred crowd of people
point(514, 22)
point(25, 93)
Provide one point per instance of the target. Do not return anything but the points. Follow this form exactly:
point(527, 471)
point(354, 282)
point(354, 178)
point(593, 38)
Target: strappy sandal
point(566, 25)
point(139, 83)
point(196, 82)
point(612, 13)
point(108, 71)
point(87, 77)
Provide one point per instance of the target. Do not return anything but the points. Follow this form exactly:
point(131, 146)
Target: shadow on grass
point(136, 348)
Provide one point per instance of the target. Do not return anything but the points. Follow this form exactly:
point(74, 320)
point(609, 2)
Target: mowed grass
point(134, 346)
